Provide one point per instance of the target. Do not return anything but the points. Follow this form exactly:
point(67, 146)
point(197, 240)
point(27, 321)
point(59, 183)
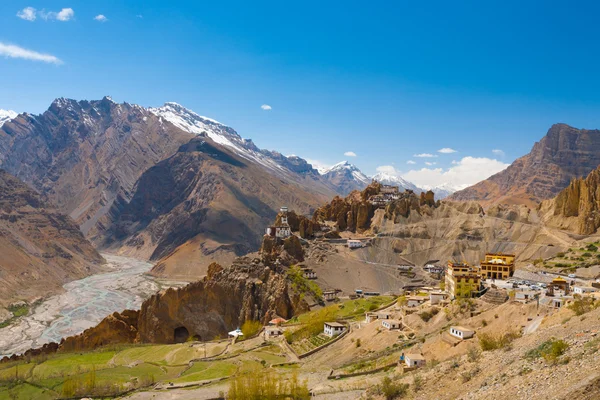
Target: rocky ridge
point(563, 154)
point(577, 207)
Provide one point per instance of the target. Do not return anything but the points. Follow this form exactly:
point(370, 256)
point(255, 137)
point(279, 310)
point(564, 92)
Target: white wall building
point(584, 289)
point(391, 324)
point(414, 360)
point(461, 332)
point(332, 329)
point(354, 244)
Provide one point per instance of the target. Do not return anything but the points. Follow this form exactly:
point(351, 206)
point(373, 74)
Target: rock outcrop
point(577, 207)
point(40, 248)
point(563, 154)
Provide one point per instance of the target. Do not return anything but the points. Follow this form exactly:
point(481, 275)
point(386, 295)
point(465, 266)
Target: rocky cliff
point(40, 248)
point(563, 154)
point(577, 207)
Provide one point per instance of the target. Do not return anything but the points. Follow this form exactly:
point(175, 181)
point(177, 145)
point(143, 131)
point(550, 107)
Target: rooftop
point(415, 356)
point(335, 324)
point(462, 328)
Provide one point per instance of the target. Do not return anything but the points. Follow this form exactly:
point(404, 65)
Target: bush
point(303, 285)
point(426, 315)
point(417, 383)
point(592, 247)
point(489, 342)
point(582, 305)
point(550, 350)
point(250, 328)
point(357, 342)
point(392, 390)
point(473, 354)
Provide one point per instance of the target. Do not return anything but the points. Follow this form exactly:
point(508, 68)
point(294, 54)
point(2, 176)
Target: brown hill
point(41, 249)
point(577, 207)
point(563, 154)
point(204, 202)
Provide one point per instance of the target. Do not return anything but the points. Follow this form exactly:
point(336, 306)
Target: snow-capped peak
point(344, 167)
point(390, 179)
point(6, 115)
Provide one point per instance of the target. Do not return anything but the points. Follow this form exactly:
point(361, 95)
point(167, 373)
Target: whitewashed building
point(332, 329)
point(354, 243)
point(414, 360)
point(390, 324)
point(461, 332)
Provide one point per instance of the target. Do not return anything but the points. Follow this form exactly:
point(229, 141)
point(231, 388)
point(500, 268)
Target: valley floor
point(83, 304)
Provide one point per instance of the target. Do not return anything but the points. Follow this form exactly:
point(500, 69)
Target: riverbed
point(83, 304)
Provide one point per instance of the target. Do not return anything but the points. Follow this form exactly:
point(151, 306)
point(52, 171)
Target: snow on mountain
point(388, 179)
point(346, 167)
point(344, 177)
point(6, 115)
point(189, 121)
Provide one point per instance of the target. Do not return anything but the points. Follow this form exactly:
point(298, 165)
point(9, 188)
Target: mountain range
point(6, 115)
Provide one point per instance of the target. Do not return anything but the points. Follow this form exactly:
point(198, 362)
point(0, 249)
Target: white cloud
point(464, 173)
point(498, 152)
point(424, 155)
point(66, 14)
point(447, 150)
point(266, 107)
point(100, 18)
point(454, 162)
point(28, 14)
point(430, 163)
point(411, 162)
point(12, 51)
point(350, 154)
point(140, 16)
point(388, 169)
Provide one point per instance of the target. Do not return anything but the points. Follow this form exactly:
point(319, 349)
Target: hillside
point(563, 154)
point(202, 204)
point(41, 248)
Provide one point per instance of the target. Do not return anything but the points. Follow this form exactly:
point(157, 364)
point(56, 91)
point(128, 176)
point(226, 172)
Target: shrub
point(473, 354)
point(592, 247)
point(489, 342)
point(550, 350)
point(426, 315)
point(582, 305)
point(560, 255)
point(392, 390)
point(250, 328)
point(303, 285)
point(417, 383)
point(357, 342)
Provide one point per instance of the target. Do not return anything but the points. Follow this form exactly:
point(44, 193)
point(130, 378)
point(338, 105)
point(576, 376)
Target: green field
point(346, 309)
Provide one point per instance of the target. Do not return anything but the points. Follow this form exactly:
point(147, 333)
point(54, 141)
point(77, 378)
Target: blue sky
point(385, 80)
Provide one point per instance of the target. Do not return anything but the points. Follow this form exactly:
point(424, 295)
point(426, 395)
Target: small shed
point(330, 295)
point(525, 296)
point(384, 315)
point(414, 360)
point(415, 301)
point(277, 321)
point(332, 329)
point(461, 332)
point(354, 243)
point(558, 302)
point(390, 324)
point(437, 297)
point(273, 331)
point(370, 317)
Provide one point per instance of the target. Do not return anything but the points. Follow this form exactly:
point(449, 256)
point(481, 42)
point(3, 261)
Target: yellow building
point(462, 280)
point(498, 266)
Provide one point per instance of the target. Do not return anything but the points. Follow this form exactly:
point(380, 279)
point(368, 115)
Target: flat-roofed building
point(332, 329)
point(462, 280)
point(461, 332)
point(498, 266)
point(390, 324)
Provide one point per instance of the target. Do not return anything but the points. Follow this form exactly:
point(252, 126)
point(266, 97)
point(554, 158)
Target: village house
point(384, 315)
point(581, 290)
point(414, 360)
point(309, 273)
point(330, 295)
point(497, 266)
point(332, 329)
point(461, 332)
point(415, 301)
point(390, 324)
point(273, 331)
point(558, 302)
point(277, 321)
point(525, 296)
point(370, 317)
point(437, 297)
point(462, 280)
point(354, 243)
point(236, 333)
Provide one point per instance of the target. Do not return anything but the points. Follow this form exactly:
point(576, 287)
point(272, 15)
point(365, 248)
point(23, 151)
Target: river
point(83, 304)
